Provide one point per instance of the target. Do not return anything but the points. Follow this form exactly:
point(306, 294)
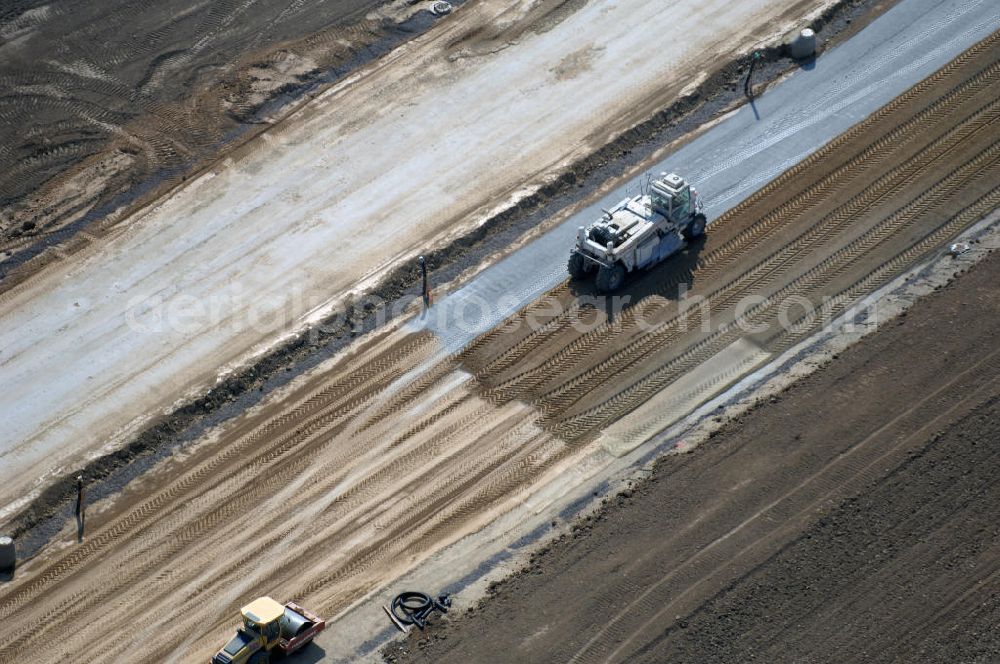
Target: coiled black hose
point(413, 608)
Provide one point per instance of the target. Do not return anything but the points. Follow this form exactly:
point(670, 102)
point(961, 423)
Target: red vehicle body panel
point(288, 646)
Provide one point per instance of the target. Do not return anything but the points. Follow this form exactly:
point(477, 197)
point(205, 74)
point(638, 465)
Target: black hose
point(414, 608)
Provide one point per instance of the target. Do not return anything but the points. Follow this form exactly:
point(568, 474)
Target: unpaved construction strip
point(835, 226)
point(105, 103)
point(409, 152)
point(251, 383)
point(852, 519)
point(749, 148)
point(387, 455)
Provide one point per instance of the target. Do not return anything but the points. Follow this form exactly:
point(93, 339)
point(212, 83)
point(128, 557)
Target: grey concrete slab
point(747, 149)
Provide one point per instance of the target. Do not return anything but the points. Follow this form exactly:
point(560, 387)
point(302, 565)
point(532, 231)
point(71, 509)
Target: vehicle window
point(660, 201)
point(683, 200)
point(236, 644)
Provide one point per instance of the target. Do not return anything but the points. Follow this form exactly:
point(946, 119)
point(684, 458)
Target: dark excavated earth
point(854, 519)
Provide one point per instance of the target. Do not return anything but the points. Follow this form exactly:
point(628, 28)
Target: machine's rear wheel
point(577, 266)
point(696, 228)
point(610, 278)
point(260, 657)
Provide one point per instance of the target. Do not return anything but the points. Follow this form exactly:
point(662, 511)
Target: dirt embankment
point(389, 454)
point(852, 519)
point(723, 89)
point(105, 103)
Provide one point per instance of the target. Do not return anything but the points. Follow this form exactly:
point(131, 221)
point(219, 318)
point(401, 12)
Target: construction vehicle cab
point(637, 233)
point(672, 197)
point(269, 627)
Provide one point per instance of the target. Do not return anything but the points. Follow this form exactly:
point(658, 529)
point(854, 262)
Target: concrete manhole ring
point(958, 249)
point(441, 8)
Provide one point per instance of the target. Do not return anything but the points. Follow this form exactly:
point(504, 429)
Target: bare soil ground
point(101, 97)
point(855, 519)
point(134, 446)
point(846, 219)
point(383, 457)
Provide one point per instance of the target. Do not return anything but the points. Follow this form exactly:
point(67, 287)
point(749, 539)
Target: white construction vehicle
point(638, 233)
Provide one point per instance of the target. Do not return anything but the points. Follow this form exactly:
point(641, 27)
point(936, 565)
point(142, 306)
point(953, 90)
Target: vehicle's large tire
point(260, 657)
point(610, 278)
point(577, 266)
point(696, 228)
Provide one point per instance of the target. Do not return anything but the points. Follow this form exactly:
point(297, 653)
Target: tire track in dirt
point(713, 264)
point(564, 395)
point(166, 85)
point(184, 538)
point(862, 465)
point(393, 452)
point(628, 399)
point(750, 282)
point(858, 576)
point(323, 407)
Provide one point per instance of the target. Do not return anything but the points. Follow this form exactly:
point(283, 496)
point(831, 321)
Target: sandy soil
point(853, 519)
point(100, 96)
point(377, 460)
point(361, 180)
point(847, 218)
